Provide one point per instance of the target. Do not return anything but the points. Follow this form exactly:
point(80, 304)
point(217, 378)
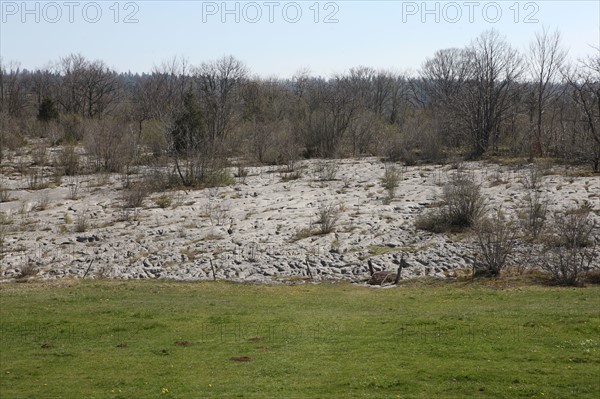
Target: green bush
point(463, 205)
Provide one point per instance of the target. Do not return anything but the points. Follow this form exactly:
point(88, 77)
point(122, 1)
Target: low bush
point(496, 241)
point(391, 179)
point(327, 170)
point(464, 202)
point(569, 250)
point(327, 218)
point(134, 196)
point(533, 214)
point(163, 201)
point(463, 205)
point(81, 222)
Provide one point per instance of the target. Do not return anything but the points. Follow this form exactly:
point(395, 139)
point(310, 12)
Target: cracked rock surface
point(261, 229)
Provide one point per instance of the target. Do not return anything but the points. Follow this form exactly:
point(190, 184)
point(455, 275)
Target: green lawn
point(419, 340)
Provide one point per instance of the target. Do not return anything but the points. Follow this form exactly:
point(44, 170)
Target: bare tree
point(331, 106)
point(100, 88)
point(13, 98)
point(496, 68)
point(584, 82)
point(219, 85)
point(545, 60)
point(71, 69)
point(266, 107)
point(107, 141)
point(87, 88)
point(474, 86)
point(42, 82)
point(444, 78)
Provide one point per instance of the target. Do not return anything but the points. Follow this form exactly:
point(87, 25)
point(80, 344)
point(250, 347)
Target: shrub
point(533, 214)
point(575, 227)
point(74, 185)
point(567, 265)
point(81, 222)
point(464, 202)
point(327, 170)
point(433, 221)
point(134, 196)
point(28, 270)
point(158, 180)
point(36, 180)
point(327, 218)
point(496, 240)
point(4, 194)
point(39, 154)
point(42, 202)
point(5, 222)
point(163, 201)
point(532, 178)
point(218, 177)
point(391, 179)
point(295, 175)
point(569, 250)
point(69, 161)
point(242, 173)
point(463, 205)
point(302, 234)
point(216, 213)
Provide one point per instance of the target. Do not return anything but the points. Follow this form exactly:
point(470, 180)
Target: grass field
point(424, 339)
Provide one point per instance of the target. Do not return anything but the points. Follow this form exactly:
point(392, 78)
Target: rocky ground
point(260, 229)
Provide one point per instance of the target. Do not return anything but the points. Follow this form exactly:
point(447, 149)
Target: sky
point(278, 38)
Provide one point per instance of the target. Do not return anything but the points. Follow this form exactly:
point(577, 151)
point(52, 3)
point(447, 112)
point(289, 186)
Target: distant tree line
point(484, 99)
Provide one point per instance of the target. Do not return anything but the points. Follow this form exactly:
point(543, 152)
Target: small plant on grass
point(496, 240)
point(103, 272)
point(28, 270)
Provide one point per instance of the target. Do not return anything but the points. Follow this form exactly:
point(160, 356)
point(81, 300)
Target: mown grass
point(420, 340)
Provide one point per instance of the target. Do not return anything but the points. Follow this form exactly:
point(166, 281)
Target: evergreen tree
point(47, 110)
point(189, 126)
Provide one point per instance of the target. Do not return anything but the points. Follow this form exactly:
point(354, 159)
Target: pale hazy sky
point(276, 38)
